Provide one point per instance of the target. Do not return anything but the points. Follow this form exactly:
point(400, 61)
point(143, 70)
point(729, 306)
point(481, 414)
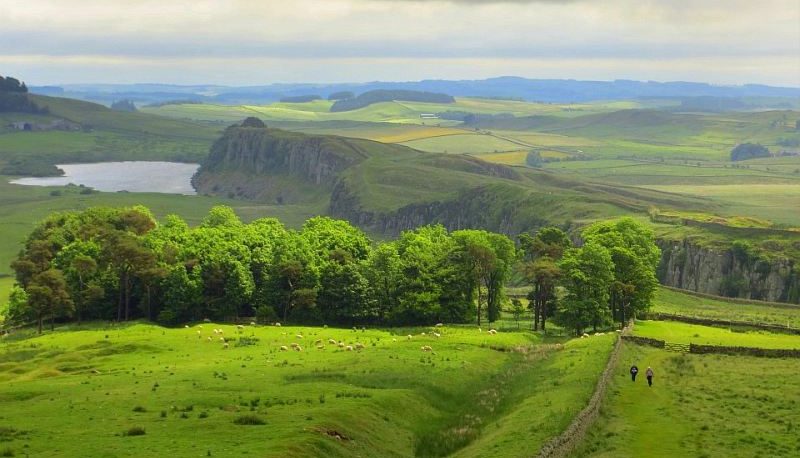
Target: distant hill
point(381, 95)
point(545, 90)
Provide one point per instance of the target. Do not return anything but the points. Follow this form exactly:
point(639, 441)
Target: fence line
point(717, 322)
point(565, 442)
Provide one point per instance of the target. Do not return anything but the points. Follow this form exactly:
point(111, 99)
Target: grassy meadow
point(680, 303)
point(699, 405)
point(675, 332)
point(139, 389)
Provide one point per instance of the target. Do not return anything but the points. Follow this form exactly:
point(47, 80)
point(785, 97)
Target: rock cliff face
point(258, 163)
point(727, 273)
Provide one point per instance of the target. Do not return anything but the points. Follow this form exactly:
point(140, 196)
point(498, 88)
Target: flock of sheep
point(219, 334)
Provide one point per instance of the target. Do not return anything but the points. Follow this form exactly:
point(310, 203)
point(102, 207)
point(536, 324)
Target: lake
point(132, 176)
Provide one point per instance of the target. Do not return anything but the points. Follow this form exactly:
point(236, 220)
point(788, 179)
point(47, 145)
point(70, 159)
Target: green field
point(699, 405)
point(674, 332)
point(678, 303)
point(92, 385)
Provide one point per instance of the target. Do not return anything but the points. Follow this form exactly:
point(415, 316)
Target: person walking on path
point(634, 371)
point(649, 374)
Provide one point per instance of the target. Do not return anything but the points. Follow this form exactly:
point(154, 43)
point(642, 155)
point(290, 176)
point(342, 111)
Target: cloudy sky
point(241, 42)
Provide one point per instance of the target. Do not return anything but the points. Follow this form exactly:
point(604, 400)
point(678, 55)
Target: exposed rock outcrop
point(726, 273)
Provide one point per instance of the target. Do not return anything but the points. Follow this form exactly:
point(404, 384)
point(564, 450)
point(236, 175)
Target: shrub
point(134, 431)
point(246, 341)
point(249, 420)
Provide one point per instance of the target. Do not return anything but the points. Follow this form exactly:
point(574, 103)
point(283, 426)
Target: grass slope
point(678, 303)
point(707, 335)
point(93, 385)
point(700, 405)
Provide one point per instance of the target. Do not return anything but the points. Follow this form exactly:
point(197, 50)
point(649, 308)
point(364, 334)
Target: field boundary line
point(698, 349)
point(656, 316)
point(565, 442)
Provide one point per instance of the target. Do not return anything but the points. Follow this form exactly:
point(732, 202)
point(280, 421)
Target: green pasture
point(678, 303)
point(699, 406)
point(465, 143)
point(87, 390)
point(675, 332)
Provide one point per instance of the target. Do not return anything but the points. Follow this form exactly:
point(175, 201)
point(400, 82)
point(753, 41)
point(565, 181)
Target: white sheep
point(349, 348)
point(284, 348)
point(341, 344)
point(359, 346)
point(318, 341)
point(252, 323)
point(332, 341)
point(186, 326)
point(409, 337)
point(278, 324)
point(394, 339)
point(439, 325)
point(426, 348)
point(216, 331)
point(209, 338)
point(222, 339)
point(225, 345)
point(422, 334)
point(320, 347)
point(299, 336)
point(437, 335)
point(294, 345)
point(298, 348)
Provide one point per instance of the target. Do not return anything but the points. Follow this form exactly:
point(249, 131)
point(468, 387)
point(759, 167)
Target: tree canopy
point(121, 264)
point(746, 151)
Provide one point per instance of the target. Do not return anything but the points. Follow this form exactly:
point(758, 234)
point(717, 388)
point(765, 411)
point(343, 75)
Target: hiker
point(649, 374)
point(634, 371)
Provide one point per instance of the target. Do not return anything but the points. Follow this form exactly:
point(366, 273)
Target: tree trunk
point(544, 310)
point(127, 296)
point(119, 301)
point(479, 304)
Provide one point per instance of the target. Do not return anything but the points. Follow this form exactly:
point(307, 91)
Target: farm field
point(678, 303)
point(699, 405)
point(95, 384)
point(675, 332)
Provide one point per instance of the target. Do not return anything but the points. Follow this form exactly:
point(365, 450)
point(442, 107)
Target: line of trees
point(120, 264)
point(11, 84)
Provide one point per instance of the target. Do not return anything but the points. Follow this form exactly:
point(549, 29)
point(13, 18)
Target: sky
point(253, 42)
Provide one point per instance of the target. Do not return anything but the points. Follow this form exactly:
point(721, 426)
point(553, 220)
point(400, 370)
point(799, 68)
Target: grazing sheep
point(422, 334)
point(479, 330)
point(331, 341)
point(394, 340)
point(409, 337)
point(294, 345)
point(437, 335)
point(426, 348)
point(222, 339)
point(320, 347)
point(349, 348)
point(220, 331)
point(239, 327)
point(359, 346)
point(278, 324)
point(186, 326)
point(298, 348)
point(318, 341)
point(209, 338)
point(198, 333)
point(252, 323)
point(585, 335)
point(439, 325)
point(299, 336)
point(341, 344)
point(225, 345)
point(284, 348)
point(216, 331)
